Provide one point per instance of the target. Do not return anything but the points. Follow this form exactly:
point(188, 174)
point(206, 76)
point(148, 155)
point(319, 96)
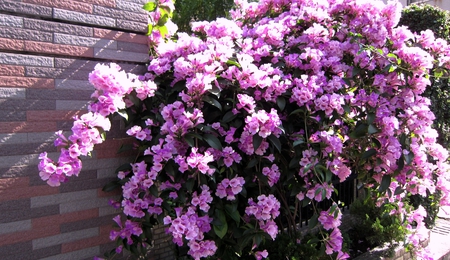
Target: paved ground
point(439, 244)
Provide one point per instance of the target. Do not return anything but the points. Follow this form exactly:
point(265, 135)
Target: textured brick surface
point(57, 199)
point(11, 70)
point(120, 55)
point(29, 147)
point(71, 105)
point(26, 82)
point(50, 48)
point(23, 8)
point(130, 6)
point(109, 3)
point(83, 18)
point(57, 73)
point(12, 93)
point(11, 21)
point(17, 226)
point(12, 44)
point(44, 70)
point(64, 238)
point(120, 36)
point(79, 254)
point(23, 104)
point(58, 94)
point(120, 14)
point(30, 60)
point(132, 26)
point(102, 238)
point(49, 26)
point(66, 4)
point(84, 41)
point(23, 34)
point(26, 127)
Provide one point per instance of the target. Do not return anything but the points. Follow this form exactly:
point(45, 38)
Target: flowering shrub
point(244, 123)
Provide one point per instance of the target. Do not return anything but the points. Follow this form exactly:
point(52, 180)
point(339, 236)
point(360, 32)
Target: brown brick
point(26, 104)
point(66, 4)
point(27, 192)
point(86, 223)
point(87, 180)
point(11, 44)
point(26, 148)
point(26, 82)
point(27, 127)
point(25, 34)
point(11, 115)
point(52, 115)
point(13, 183)
point(44, 47)
point(59, 219)
point(102, 238)
point(20, 171)
point(42, 231)
point(11, 70)
point(109, 148)
point(110, 3)
point(103, 194)
point(48, 26)
point(120, 36)
point(27, 213)
point(58, 94)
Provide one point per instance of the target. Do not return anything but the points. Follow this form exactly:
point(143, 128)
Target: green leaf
point(214, 90)
point(162, 30)
point(276, 142)
point(190, 184)
point(313, 221)
point(369, 153)
point(212, 102)
point(398, 191)
point(281, 102)
point(228, 117)
point(231, 210)
point(221, 231)
point(257, 140)
point(252, 163)
point(372, 129)
point(360, 131)
point(150, 6)
point(220, 223)
point(125, 148)
point(298, 142)
point(294, 162)
point(111, 186)
point(409, 158)
point(232, 62)
point(370, 118)
point(124, 167)
point(213, 141)
point(297, 111)
point(123, 113)
point(154, 190)
point(189, 140)
point(385, 183)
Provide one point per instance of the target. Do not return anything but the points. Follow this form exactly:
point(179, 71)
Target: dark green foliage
point(187, 11)
point(419, 18)
point(375, 226)
point(422, 17)
point(431, 205)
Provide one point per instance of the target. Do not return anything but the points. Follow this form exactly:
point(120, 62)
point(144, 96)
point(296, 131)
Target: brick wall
point(47, 49)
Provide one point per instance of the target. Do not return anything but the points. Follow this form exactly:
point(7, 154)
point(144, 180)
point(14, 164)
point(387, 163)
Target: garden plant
point(243, 123)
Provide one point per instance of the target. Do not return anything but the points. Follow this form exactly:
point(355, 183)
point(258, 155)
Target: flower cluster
point(265, 210)
point(230, 188)
point(277, 104)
